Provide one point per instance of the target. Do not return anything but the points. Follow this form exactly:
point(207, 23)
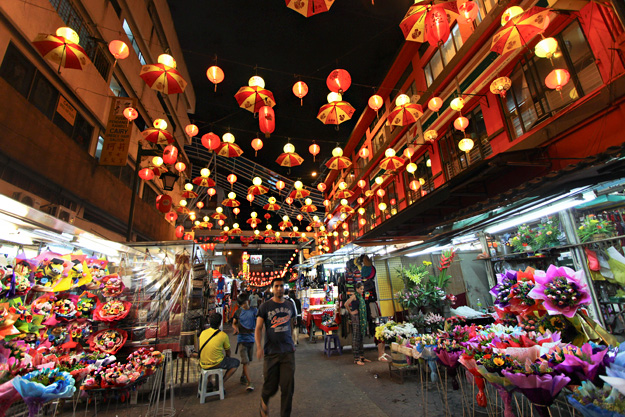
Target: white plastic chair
point(205, 375)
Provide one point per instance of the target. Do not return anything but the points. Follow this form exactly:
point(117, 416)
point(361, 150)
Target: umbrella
point(182, 210)
point(284, 224)
point(391, 163)
point(413, 23)
point(520, 30)
point(339, 162)
point(257, 190)
point(253, 222)
point(316, 224)
point(61, 51)
point(271, 207)
point(158, 171)
point(290, 159)
point(247, 239)
point(346, 209)
point(268, 232)
point(189, 194)
point(343, 194)
point(299, 193)
point(236, 231)
point(295, 234)
point(335, 113)
point(230, 202)
point(229, 150)
point(405, 114)
point(258, 237)
point(303, 239)
point(203, 182)
point(219, 216)
point(253, 98)
point(309, 208)
point(163, 78)
point(309, 8)
point(157, 136)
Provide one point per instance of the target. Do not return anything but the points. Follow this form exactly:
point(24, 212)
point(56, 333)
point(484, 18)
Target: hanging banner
point(118, 131)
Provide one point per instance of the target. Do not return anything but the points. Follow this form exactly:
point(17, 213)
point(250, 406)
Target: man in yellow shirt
point(213, 344)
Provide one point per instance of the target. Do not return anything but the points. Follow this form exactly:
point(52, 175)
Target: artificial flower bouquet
point(43, 385)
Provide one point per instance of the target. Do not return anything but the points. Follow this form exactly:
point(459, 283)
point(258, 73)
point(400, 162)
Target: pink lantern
point(376, 102)
point(360, 201)
point(314, 149)
point(289, 200)
point(408, 153)
point(461, 123)
point(414, 185)
point(280, 185)
point(170, 154)
point(321, 186)
point(146, 174)
point(236, 210)
point(180, 166)
point(362, 183)
point(381, 193)
point(215, 75)
point(435, 104)
point(300, 217)
point(468, 12)
point(557, 79)
point(211, 192)
point(363, 153)
point(250, 197)
point(231, 178)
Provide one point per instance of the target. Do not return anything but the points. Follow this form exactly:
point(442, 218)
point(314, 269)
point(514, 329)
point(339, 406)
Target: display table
point(314, 317)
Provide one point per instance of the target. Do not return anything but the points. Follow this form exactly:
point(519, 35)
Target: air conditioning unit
point(27, 199)
point(61, 213)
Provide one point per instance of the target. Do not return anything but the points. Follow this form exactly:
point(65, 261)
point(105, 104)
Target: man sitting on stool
point(213, 344)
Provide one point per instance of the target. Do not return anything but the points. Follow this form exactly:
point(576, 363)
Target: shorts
point(246, 350)
point(227, 363)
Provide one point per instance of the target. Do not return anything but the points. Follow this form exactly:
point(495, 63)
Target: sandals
point(264, 409)
point(363, 359)
point(359, 362)
point(385, 358)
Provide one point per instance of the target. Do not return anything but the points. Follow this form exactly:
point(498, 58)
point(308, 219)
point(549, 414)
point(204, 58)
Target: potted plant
point(547, 234)
point(594, 228)
point(522, 241)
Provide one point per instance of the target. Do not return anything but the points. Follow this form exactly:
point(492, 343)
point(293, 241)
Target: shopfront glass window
point(443, 55)
point(17, 70)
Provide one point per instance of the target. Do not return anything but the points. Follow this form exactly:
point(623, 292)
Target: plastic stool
point(332, 344)
point(205, 374)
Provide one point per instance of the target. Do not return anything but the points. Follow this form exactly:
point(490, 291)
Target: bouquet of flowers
point(561, 290)
point(112, 285)
point(523, 239)
point(112, 310)
point(146, 358)
point(547, 234)
point(108, 340)
point(592, 225)
point(43, 385)
point(578, 363)
point(593, 401)
point(87, 302)
point(434, 321)
point(65, 308)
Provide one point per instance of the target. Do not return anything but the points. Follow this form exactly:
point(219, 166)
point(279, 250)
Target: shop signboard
point(66, 110)
point(256, 259)
point(118, 131)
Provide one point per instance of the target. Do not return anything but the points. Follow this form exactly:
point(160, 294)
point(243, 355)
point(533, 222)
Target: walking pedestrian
point(244, 323)
point(357, 310)
point(277, 316)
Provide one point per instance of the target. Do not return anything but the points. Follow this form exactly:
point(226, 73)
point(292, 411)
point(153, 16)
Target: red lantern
point(321, 186)
point(393, 201)
point(300, 89)
point(215, 75)
point(345, 226)
point(211, 192)
point(231, 179)
point(257, 144)
point(146, 174)
point(436, 26)
point(179, 231)
point(289, 200)
point(461, 123)
point(435, 104)
point(362, 183)
point(308, 228)
point(170, 154)
point(199, 205)
point(119, 49)
point(468, 12)
point(191, 130)
point(414, 185)
point(211, 141)
point(557, 79)
point(376, 102)
point(363, 153)
point(209, 225)
point(171, 216)
point(381, 193)
point(280, 185)
point(163, 203)
point(130, 114)
point(180, 166)
point(314, 150)
point(188, 236)
point(267, 120)
point(339, 81)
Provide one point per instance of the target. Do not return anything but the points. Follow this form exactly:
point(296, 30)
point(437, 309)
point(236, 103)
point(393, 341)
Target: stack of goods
point(544, 344)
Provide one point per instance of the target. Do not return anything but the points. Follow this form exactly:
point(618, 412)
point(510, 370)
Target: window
point(443, 55)
point(116, 7)
point(149, 195)
point(117, 88)
point(133, 41)
point(17, 70)
point(125, 174)
point(378, 141)
point(423, 174)
point(529, 101)
point(43, 95)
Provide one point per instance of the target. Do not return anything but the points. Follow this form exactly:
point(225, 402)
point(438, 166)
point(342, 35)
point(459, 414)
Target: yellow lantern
point(219, 210)
point(308, 201)
point(342, 185)
point(430, 135)
point(257, 181)
point(337, 152)
point(256, 232)
point(167, 59)
point(402, 99)
point(332, 97)
point(272, 200)
point(298, 185)
point(343, 216)
point(295, 228)
point(465, 144)
point(253, 215)
point(457, 104)
point(228, 137)
point(389, 153)
point(188, 186)
point(344, 202)
point(411, 168)
point(500, 86)
point(361, 211)
point(206, 218)
point(382, 206)
point(160, 124)
point(345, 233)
point(235, 226)
point(315, 218)
point(205, 172)
point(289, 148)
point(510, 13)
point(546, 48)
point(322, 228)
point(268, 227)
point(232, 195)
point(157, 161)
point(379, 180)
point(226, 228)
point(69, 34)
point(183, 203)
point(256, 81)
point(428, 163)
point(277, 234)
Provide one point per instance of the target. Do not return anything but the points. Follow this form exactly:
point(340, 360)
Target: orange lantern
point(314, 149)
point(220, 222)
point(170, 154)
point(171, 216)
point(557, 79)
point(300, 89)
point(435, 104)
point(130, 114)
point(199, 205)
point(236, 210)
point(321, 186)
point(300, 217)
point(267, 120)
point(211, 192)
point(163, 203)
point(363, 153)
point(257, 144)
point(119, 49)
point(362, 183)
point(289, 200)
point(179, 231)
point(215, 75)
point(468, 12)
point(414, 185)
point(191, 130)
point(339, 81)
point(146, 174)
point(280, 185)
point(376, 102)
point(211, 141)
point(360, 201)
point(408, 153)
point(362, 221)
point(381, 193)
point(231, 178)
point(461, 123)
point(326, 203)
point(436, 26)
point(250, 198)
point(180, 166)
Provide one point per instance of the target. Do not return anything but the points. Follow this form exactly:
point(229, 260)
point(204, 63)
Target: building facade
point(53, 119)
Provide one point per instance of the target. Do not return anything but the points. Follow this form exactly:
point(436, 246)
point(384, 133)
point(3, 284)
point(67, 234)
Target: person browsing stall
point(357, 310)
point(277, 316)
point(244, 322)
point(215, 348)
